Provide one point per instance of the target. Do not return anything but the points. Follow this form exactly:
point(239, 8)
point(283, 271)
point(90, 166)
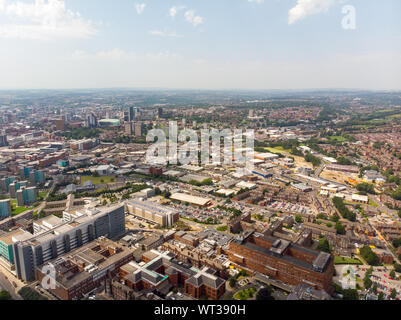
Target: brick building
point(160, 271)
point(281, 259)
point(84, 269)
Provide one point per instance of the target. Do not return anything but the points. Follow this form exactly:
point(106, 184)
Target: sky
point(200, 44)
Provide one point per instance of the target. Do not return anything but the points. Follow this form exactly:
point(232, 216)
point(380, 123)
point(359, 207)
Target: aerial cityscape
point(170, 193)
point(317, 217)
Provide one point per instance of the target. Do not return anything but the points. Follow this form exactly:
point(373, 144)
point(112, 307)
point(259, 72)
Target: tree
point(340, 228)
point(298, 218)
point(344, 161)
point(265, 294)
point(232, 282)
point(366, 187)
point(334, 218)
point(27, 293)
point(350, 294)
point(397, 267)
point(324, 245)
point(375, 287)
point(314, 160)
point(392, 274)
point(5, 295)
point(367, 283)
point(381, 296)
point(393, 294)
point(347, 214)
point(397, 242)
point(369, 256)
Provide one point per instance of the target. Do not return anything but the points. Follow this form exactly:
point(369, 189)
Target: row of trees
point(344, 211)
point(313, 159)
point(131, 187)
point(370, 257)
point(366, 188)
point(80, 133)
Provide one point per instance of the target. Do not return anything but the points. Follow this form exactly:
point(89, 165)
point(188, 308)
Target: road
point(388, 244)
point(39, 208)
point(382, 207)
point(6, 285)
point(391, 213)
point(319, 170)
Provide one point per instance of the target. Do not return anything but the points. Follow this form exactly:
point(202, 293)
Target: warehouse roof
point(190, 199)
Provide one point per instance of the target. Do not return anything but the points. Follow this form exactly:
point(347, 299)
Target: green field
point(98, 180)
point(344, 260)
point(42, 194)
point(18, 210)
point(275, 150)
point(338, 138)
point(395, 116)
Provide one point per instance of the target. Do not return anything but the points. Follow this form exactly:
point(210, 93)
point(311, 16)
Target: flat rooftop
point(190, 199)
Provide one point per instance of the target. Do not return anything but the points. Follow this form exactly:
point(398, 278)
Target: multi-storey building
point(5, 208)
point(162, 271)
point(5, 183)
point(15, 186)
point(84, 269)
point(77, 229)
point(36, 176)
point(91, 120)
point(6, 246)
point(26, 196)
point(25, 172)
point(154, 212)
point(281, 259)
point(84, 144)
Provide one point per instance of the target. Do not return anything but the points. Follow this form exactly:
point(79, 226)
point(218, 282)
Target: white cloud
point(140, 7)
point(157, 33)
point(192, 18)
point(162, 55)
point(117, 54)
point(113, 54)
point(174, 10)
point(43, 20)
point(305, 8)
point(164, 34)
point(256, 1)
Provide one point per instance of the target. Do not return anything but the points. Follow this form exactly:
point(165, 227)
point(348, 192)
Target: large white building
point(54, 237)
point(154, 212)
point(183, 197)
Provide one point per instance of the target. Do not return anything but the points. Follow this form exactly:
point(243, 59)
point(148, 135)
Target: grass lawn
point(42, 194)
point(373, 204)
point(338, 138)
point(222, 228)
point(245, 294)
point(275, 150)
point(97, 180)
point(18, 210)
point(344, 260)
